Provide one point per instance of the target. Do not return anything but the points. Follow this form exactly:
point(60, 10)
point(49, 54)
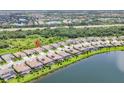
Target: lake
point(101, 68)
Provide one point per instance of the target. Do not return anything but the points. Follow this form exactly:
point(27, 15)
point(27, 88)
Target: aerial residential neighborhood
point(24, 62)
point(67, 46)
point(62, 46)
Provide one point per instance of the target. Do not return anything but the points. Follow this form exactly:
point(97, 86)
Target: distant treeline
point(66, 32)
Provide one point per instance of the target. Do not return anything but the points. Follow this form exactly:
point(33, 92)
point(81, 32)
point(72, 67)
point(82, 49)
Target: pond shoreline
point(37, 74)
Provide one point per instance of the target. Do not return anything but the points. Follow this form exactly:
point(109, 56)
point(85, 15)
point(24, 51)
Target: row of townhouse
point(25, 61)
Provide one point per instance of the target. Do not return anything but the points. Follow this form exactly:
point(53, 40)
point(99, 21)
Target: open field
point(19, 44)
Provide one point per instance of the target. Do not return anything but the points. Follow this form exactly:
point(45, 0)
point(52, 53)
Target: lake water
point(101, 68)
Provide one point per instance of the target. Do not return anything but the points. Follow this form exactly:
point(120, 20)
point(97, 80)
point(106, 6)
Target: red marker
point(37, 43)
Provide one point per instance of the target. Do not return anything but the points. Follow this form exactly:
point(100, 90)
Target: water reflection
point(101, 68)
point(120, 61)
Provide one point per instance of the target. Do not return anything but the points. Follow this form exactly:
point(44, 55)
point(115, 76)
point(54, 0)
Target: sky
point(61, 4)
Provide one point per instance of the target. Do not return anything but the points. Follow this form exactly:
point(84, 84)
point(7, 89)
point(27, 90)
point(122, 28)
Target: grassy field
point(11, 42)
point(41, 72)
point(19, 44)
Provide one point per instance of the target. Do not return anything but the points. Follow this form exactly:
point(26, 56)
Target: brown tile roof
point(54, 56)
point(29, 52)
point(94, 43)
point(89, 39)
point(8, 57)
point(44, 59)
point(55, 45)
point(62, 53)
point(21, 67)
point(86, 44)
point(83, 39)
point(7, 73)
point(33, 63)
point(79, 47)
point(71, 50)
point(39, 49)
point(121, 38)
point(47, 47)
point(62, 43)
point(20, 54)
point(70, 41)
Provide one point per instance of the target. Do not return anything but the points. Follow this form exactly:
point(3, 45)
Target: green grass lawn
point(41, 72)
point(20, 44)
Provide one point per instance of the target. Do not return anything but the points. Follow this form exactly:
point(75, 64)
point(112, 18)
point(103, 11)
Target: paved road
point(41, 28)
